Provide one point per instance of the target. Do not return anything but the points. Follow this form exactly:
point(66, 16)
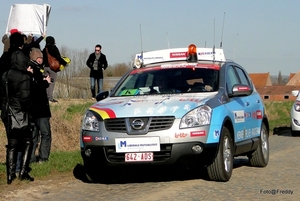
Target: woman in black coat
point(16, 83)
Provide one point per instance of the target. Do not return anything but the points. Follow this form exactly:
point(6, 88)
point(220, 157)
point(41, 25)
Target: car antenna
point(141, 44)
point(222, 31)
point(168, 41)
point(214, 42)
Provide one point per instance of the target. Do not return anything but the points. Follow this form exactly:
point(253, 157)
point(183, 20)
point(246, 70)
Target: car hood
point(141, 106)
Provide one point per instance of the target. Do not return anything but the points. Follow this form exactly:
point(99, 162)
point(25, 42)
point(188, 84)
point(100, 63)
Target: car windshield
point(169, 80)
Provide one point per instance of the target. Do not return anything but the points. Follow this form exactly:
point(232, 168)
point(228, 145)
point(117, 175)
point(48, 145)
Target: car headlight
point(198, 117)
point(90, 122)
point(297, 106)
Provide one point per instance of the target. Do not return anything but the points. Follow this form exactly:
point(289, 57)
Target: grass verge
point(58, 162)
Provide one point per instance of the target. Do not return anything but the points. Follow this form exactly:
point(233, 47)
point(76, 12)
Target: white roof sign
point(176, 54)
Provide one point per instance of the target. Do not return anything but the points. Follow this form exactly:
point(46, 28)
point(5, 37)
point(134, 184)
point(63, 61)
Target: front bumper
point(169, 154)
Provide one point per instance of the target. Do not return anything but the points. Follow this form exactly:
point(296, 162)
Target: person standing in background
point(41, 110)
point(52, 50)
point(97, 63)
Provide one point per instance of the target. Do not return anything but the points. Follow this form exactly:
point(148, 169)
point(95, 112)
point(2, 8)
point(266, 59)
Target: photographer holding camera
point(41, 108)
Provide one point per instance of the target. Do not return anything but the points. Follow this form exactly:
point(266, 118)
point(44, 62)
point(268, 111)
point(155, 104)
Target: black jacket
point(102, 63)
point(52, 50)
point(40, 108)
point(5, 63)
point(19, 85)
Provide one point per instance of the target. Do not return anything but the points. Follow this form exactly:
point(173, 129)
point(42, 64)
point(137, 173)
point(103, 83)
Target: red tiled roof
point(261, 79)
point(275, 90)
point(291, 76)
point(295, 80)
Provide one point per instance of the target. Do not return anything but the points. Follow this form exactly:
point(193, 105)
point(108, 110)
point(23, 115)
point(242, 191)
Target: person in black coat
point(16, 83)
point(5, 63)
point(41, 110)
point(97, 63)
point(52, 50)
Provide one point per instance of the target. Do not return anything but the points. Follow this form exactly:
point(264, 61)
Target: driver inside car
point(161, 84)
point(200, 83)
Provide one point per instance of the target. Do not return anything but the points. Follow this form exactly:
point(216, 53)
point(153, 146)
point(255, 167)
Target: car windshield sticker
point(129, 92)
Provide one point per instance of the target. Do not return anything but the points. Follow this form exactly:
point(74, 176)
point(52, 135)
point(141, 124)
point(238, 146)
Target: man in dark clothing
point(41, 109)
point(52, 50)
point(16, 83)
point(97, 63)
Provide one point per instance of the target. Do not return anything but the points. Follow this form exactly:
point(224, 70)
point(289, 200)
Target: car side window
point(232, 78)
point(243, 77)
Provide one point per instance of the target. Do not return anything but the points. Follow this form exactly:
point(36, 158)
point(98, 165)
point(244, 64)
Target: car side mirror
point(102, 95)
point(241, 90)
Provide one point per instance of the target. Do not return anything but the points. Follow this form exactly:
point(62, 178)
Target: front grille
point(163, 155)
point(155, 124)
point(115, 125)
point(161, 123)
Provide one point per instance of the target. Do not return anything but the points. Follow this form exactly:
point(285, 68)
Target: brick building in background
point(268, 92)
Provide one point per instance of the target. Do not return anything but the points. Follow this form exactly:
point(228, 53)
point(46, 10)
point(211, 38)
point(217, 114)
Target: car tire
point(89, 178)
point(94, 176)
point(260, 157)
point(221, 168)
point(295, 133)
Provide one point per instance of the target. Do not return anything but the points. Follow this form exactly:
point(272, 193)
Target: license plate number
point(135, 157)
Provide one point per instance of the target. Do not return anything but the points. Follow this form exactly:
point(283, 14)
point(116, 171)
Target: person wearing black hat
point(52, 50)
point(16, 85)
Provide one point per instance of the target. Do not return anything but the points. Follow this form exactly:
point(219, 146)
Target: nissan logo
point(137, 124)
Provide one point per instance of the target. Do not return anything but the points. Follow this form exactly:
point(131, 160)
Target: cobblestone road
point(280, 180)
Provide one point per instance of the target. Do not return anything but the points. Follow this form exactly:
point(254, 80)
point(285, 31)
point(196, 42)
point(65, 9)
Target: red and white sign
point(198, 133)
point(178, 54)
point(135, 157)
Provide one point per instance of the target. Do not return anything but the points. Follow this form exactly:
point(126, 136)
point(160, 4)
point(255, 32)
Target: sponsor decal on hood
point(166, 105)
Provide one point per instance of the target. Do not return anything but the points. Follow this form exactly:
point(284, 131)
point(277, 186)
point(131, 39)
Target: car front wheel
point(221, 168)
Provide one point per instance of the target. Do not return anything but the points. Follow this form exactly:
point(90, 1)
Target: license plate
point(132, 157)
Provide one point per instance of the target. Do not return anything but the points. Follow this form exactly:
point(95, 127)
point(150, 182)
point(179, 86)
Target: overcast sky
point(261, 35)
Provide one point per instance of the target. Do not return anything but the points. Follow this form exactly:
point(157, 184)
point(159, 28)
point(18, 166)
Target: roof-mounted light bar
point(191, 54)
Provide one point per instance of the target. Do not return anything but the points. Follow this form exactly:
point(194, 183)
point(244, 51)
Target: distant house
point(277, 93)
point(268, 92)
point(261, 79)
